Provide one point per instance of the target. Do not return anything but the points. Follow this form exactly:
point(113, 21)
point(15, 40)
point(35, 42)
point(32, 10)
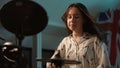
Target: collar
point(85, 35)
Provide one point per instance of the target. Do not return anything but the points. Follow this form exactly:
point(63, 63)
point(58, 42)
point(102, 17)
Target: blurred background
point(43, 44)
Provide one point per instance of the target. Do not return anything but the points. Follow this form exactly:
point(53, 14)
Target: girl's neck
point(77, 35)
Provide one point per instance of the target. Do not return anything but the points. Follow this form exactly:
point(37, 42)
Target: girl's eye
point(75, 16)
point(68, 17)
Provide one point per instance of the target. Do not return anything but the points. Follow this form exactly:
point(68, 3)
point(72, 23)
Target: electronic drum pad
point(23, 17)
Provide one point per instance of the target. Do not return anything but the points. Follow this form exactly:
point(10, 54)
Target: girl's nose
point(73, 19)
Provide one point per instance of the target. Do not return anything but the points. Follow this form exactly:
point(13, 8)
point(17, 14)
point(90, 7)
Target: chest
point(77, 51)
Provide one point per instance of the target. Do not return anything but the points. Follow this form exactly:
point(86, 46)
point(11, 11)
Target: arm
point(59, 53)
point(49, 64)
point(102, 54)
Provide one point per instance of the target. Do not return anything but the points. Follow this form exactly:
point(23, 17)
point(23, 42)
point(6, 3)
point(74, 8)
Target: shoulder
point(93, 39)
point(66, 38)
point(90, 37)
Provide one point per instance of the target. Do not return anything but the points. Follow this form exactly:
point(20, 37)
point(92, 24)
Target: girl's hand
point(53, 65)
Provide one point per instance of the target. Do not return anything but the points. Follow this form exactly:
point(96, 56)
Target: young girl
point(83, 43)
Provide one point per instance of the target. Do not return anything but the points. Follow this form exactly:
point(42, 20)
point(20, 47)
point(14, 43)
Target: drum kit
point(25, 18)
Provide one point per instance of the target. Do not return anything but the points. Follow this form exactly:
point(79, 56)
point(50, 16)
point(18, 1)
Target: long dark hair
point(89, 24)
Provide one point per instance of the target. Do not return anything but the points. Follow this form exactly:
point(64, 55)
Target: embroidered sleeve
point(102, 54)
point(59, 52)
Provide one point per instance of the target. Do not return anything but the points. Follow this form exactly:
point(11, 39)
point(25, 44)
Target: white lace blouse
point(90, 51)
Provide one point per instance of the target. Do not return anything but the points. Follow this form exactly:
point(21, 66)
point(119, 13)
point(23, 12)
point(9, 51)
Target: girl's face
point(74, 19)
